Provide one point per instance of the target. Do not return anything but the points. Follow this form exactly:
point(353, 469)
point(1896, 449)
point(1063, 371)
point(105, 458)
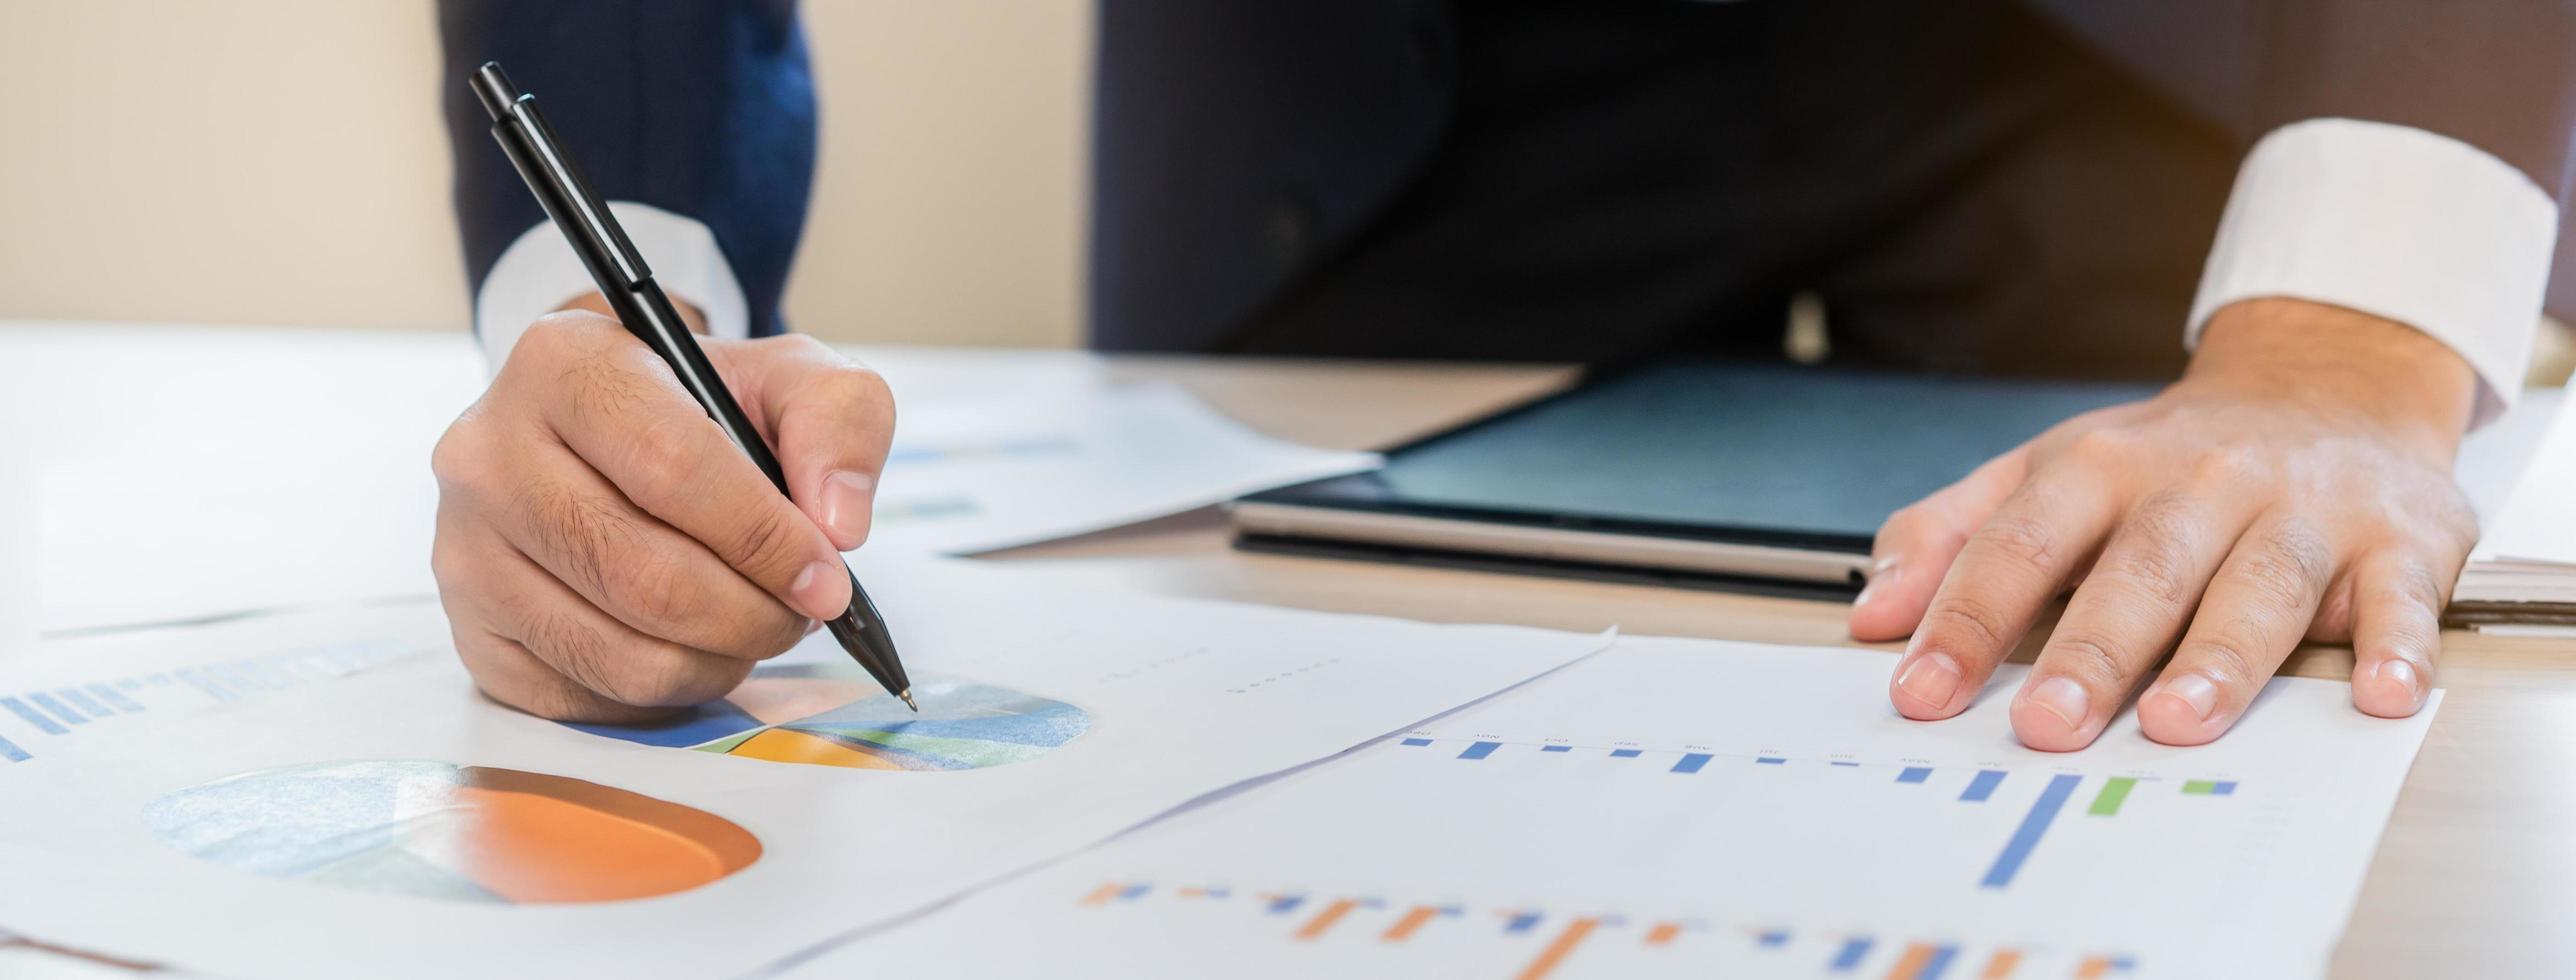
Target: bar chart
point(38, 716)
point(1679, 809)
point(2107, 794)
point(1537, 943)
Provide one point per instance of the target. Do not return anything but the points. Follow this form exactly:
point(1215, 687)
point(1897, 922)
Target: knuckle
point(653, 591)
point(2020, 539)
point(766, 542)
point(447, 564)
point(2288, 563)
point(2088, 656)
point(2229, 466)
point(662, 459)
point(2102, 445)
point(2156, 572)
point(588, 538)
point(2231, 659)
point(1960, 621)
point(573, 649)
point(462, 457)
point(561, 335)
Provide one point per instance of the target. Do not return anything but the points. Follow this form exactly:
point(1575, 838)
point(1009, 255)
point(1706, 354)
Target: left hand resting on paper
point(2296, 483)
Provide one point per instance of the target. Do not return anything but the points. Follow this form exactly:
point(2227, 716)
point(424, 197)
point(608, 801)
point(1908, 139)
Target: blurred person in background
point(2326, 223)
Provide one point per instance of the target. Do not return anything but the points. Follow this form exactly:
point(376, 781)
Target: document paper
point(396, 824)
point(1694, 808)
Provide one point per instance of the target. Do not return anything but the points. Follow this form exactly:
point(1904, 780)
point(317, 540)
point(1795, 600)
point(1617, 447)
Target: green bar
point(2107, 802)
point(2199, 787)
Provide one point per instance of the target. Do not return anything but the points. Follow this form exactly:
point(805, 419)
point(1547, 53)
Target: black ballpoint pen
point(648, 314)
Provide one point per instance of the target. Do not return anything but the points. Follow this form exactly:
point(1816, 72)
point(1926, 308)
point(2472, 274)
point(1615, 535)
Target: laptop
point(1760, 477)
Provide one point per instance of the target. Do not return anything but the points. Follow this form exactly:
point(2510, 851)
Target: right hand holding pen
point(605, 554)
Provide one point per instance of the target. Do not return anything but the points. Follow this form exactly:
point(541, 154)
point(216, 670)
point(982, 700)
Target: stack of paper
point(2524, 568)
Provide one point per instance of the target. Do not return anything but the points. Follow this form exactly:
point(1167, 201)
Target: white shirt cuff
point(2395, 222)
point(538, 273)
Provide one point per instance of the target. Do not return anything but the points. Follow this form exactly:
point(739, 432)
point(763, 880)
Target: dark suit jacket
point(1237, 143)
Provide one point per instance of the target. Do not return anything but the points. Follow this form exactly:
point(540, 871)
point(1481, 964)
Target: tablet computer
point(1768, 477)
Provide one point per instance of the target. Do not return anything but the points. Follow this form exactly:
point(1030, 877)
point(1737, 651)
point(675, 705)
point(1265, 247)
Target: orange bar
point(1662, 934)
point(2094, 968)
point(1910, 965)
point(1411, 923)
point(1314, 928)
point(1103, 893)
point(2002, 965)
point(1556, 952)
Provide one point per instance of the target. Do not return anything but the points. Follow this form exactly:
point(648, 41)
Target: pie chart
point(444, 831)
point(834, 715)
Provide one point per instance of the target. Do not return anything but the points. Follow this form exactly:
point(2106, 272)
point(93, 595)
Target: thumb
point(1915, 547)
point(829, 419)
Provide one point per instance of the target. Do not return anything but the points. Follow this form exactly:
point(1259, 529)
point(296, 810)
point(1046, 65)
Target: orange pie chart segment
point(440, 830)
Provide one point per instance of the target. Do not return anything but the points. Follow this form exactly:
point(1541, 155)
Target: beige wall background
point(283, 162)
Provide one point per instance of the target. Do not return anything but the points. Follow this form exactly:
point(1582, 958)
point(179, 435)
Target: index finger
point(2006, 573)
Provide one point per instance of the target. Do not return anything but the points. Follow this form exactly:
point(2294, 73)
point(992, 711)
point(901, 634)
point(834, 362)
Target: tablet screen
point(1763, 451)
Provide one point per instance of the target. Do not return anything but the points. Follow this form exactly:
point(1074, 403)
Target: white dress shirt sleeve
point(2395, 222)
point(538, 273)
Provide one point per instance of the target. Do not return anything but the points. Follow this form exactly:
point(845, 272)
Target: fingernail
point(813, 591)
point(2196, 691)
point(1930, 678)
point(1879, 574)
point(2404, 675)
point(847, 497)
point(2063, 698)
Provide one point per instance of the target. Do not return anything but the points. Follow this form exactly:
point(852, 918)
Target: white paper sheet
point(69, 689)
point(193, 472)
point(2537, 524)
point(1697, 808)
point(1181, 698)
point(971, 473)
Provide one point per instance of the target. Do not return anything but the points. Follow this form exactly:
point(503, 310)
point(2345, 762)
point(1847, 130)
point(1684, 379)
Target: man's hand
point(2295, 483)
point(605, 554)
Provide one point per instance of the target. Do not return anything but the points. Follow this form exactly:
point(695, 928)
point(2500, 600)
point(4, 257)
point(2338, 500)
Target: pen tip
point(906, 695)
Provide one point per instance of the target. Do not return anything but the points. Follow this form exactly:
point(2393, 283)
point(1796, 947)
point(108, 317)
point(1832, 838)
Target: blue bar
point(84, 702)
point(1626, 753)
point(1480, 750)
point(212, 689)
point(9, 750)
point(1691, 762)
point(1134, 892)
point(42, 723)
point(1849, 957)
point(1417, 741)
point(2051, 800)
point(1521, 922)
point(2224, 787)
point(60, 710)
point(1770, 760)
point(1914, 774)
point(115, 698)
point(1938, 963)
point(1556, 748)
point(1840, 762)
point(1284, 904)
point(1773, 938)
point(1983, 786)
